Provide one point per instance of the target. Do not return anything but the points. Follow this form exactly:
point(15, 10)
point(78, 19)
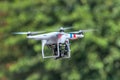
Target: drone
point(58, 42)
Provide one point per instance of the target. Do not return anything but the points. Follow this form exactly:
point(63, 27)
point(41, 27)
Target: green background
point(95, 57)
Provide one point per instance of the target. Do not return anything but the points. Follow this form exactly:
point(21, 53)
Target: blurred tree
point(96, 57)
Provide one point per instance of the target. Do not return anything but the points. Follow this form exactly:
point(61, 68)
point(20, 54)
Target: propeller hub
point(61, 29)
point(80, 32)
point(29, 33)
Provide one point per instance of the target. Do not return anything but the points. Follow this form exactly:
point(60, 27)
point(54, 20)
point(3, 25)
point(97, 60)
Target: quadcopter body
point(57, 41)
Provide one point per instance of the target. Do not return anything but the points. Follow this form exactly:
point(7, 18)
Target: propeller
point(83, 31)
point(28, 32)
point(63, 29)
point(66, 28)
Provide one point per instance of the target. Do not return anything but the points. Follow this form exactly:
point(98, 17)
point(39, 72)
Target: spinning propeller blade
point(88, 30)
point(63, 29)
point(66, 28)
point(28, 32)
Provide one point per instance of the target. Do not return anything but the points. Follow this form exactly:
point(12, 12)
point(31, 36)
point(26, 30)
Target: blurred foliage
point(95, 57)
